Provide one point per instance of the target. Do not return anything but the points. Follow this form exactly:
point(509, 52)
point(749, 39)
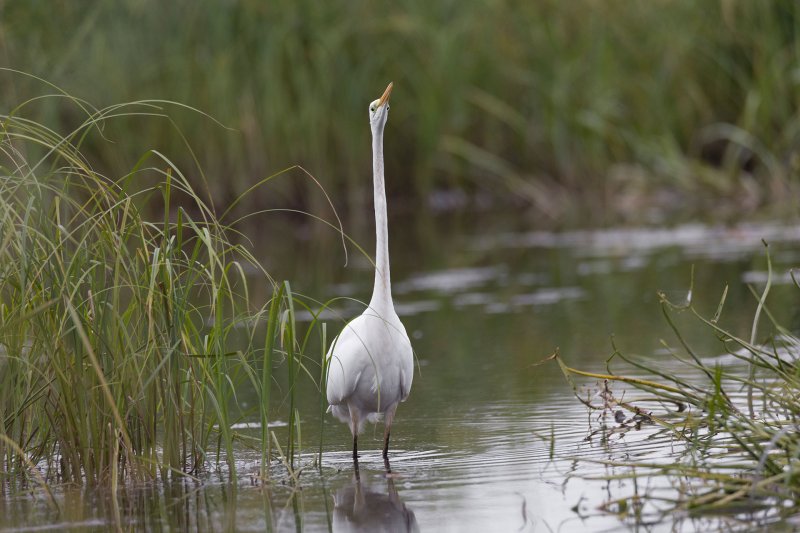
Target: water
point(488, 441)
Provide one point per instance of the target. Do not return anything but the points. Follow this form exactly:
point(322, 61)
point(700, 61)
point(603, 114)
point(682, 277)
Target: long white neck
point(382, 292)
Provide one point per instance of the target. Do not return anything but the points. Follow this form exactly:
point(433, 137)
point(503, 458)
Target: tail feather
point(374, 418)
point(340, 411)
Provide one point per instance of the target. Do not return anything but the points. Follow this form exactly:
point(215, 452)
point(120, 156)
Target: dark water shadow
point(365, 505)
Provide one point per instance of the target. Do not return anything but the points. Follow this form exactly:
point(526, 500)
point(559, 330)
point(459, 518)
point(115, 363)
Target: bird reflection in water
point(361, 506)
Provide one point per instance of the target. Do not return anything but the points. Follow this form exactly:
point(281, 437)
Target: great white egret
point(370, 363)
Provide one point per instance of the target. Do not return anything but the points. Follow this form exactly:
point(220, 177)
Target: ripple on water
point(449, 281)
point(696, 240)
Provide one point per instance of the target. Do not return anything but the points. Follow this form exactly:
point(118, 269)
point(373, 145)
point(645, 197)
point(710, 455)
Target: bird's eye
point(372, 108)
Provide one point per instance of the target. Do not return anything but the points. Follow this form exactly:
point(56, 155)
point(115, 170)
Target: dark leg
point(354, 430)
point(386, 465)
point(388, 421)
point(355, 458)
point(386, 444)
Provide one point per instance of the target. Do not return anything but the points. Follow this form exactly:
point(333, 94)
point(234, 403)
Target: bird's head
point(379, 109)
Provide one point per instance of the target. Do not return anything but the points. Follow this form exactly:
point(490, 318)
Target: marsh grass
point(569, 101)
point(126, 342)
point(738, 417)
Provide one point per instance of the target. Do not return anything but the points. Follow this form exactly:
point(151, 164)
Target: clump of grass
point(739, 420)
point(122, 339)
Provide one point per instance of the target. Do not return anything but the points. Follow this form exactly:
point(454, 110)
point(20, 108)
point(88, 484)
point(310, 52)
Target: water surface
point(488, 441)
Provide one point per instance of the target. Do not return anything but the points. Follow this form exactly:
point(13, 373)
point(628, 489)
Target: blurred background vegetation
point(569, 111)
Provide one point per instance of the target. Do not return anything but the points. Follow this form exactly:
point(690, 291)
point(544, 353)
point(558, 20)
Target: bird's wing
point(406, 373)
point(346, 358)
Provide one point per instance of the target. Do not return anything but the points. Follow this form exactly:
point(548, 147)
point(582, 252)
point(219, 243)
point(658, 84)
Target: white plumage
point(371, 363)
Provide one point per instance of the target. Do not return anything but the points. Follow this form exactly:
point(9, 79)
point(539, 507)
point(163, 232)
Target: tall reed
point(567, 100)
point(122, 339)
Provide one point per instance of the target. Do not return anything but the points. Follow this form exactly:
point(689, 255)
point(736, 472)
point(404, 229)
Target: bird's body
point(371, 363)
point(371, 369)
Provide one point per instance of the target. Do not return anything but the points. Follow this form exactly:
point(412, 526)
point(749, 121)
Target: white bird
point(371, 363)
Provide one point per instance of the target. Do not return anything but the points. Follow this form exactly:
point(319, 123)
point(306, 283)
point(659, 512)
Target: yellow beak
point(386, 93)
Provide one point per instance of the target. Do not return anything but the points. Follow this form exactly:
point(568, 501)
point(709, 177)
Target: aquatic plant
point(125, 341)
point(737, 415)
